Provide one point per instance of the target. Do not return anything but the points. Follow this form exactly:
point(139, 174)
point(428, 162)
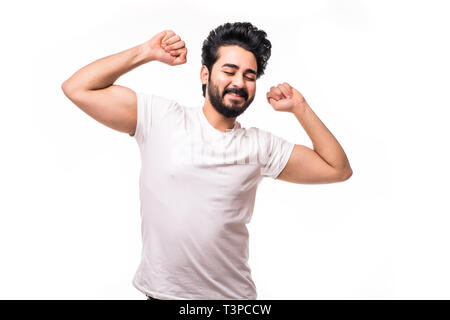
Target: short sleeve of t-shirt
point(150, 110)
point(276, 154)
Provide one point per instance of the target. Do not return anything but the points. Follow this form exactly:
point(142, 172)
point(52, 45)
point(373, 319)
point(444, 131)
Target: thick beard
point(216, 100)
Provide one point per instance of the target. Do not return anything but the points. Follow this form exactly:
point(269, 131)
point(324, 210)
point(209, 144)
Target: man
point(200, 168)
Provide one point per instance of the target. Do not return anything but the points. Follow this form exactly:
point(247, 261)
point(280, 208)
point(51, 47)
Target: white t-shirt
point(197, 193)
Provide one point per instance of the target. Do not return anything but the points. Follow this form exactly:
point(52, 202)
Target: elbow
point(342, 174)
point(69, 89)
point(65, 88)
point(346, 174)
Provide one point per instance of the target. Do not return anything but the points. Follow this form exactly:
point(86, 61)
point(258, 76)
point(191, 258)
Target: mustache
point(239, 92)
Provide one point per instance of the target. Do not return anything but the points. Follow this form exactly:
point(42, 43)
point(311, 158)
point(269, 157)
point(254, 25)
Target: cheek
point(251, 89)
point(222, 81)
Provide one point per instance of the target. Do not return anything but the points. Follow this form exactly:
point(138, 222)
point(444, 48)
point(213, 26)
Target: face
point(231, 86)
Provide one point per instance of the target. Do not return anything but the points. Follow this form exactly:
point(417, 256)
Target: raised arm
point(327, 163)
point(91, 88)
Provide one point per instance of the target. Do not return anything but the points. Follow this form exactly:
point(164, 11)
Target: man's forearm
point(103, 72)
point(324, 143)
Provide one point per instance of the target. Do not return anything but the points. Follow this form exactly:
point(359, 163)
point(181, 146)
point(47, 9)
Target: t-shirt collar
point(213, 130)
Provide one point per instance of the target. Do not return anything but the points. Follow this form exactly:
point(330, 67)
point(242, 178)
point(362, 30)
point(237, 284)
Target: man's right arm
point(91, 88)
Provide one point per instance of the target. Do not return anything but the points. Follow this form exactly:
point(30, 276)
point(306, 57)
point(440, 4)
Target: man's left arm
point(327, 161)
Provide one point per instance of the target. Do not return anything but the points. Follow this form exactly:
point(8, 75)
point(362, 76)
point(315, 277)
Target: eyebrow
point(230, 65)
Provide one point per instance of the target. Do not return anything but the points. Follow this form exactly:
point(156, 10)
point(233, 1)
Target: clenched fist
point(167, 47)
point(286, 98)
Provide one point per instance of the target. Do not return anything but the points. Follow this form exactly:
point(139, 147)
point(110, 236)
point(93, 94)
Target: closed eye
point(231, 73)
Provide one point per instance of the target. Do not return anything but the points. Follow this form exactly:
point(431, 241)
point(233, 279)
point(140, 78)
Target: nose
point(238, 81)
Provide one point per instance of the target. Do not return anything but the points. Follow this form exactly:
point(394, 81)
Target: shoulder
point(257, 134)
point(156, 100)
point(159, 105)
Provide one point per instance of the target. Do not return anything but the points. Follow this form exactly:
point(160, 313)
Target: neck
point(217, 120)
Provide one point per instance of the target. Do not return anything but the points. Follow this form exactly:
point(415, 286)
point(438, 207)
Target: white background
point(375, 72)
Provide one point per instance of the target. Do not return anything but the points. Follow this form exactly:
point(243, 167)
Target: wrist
point(145, 53)
point(299, 109)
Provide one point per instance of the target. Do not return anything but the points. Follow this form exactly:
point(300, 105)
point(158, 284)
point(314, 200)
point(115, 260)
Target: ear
point(204, 73)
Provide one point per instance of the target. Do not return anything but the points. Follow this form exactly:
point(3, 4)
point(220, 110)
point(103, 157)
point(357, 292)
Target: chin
point(231, 104)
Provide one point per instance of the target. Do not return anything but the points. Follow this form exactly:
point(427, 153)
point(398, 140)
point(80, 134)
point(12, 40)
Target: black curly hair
point(242, 34)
